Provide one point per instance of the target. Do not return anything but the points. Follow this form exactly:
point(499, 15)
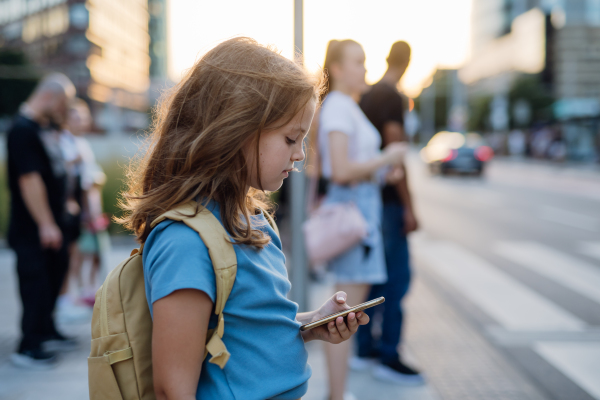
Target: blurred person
point(37, 182)
point(72, 157)
point(517, 142)
point(385, 107)
point(229, 132)
point(540, 142)
point(498, 142)
point(77, 290)
point(351, 159)
point(557, 149)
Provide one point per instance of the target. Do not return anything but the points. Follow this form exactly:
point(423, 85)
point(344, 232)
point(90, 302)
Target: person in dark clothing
point(385, 106)
point(37, 183)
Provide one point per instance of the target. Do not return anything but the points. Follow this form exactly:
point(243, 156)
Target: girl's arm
point(344, 171)
point(180, 326)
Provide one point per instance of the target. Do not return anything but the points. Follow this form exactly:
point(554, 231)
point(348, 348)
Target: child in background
point(80, 288)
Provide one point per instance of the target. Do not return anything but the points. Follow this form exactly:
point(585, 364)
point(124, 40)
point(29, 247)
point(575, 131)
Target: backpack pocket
point(102, 381)
point(114, 365)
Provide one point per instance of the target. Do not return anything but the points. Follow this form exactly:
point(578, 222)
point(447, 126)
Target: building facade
point(556, 40)
point(102, 45)
point(159, 50)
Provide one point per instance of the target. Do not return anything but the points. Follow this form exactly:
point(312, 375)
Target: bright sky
point(437, 30)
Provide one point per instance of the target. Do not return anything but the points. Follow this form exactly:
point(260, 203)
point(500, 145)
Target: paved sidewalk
point(69, 380)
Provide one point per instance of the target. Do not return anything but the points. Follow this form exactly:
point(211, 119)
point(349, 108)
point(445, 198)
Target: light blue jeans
point(365, 262)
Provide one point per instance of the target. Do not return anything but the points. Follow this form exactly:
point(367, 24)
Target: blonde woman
point(351, 160)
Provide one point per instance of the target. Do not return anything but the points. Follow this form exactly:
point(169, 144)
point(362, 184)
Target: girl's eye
point(290, 141)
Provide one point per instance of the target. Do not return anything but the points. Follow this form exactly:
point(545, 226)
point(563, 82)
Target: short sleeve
point(175, 258)
point(392, 108)
point(26, 151)
point(336, 115)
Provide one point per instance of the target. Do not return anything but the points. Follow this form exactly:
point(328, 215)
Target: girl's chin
point(271, 186)
point(275, 187)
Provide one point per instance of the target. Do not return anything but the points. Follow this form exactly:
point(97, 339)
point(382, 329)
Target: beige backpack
point(120, 362)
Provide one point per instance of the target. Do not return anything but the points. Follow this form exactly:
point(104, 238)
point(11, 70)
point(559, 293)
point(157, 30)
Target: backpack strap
point(224, 262)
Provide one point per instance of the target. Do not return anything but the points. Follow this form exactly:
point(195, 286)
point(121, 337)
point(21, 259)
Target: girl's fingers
point(342, 328)
point(352, 323)
point(333, 331)
point(340, 297)
point(363, 318)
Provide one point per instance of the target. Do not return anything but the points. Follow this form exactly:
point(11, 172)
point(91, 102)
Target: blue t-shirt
point(268, 357)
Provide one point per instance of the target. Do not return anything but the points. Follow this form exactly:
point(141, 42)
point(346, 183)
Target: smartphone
point(333, 317)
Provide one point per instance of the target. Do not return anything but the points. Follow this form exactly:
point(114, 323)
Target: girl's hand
point(339, 330)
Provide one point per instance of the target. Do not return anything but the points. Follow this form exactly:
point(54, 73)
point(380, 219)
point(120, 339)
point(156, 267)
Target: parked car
point(456, 152)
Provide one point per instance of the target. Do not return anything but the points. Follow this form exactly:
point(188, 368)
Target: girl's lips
point(286, 173)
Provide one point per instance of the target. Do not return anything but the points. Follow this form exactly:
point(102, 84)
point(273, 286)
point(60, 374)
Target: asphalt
point(516, 256)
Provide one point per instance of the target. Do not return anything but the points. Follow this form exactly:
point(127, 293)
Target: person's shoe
point(36, 359)
point(360, 364)
point(58, 342)
point(69, 313)
point(398, 372)
point(348, 396)
point(364, 362)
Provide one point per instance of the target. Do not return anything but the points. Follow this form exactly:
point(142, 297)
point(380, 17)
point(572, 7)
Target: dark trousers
point(41, 274)
point(398, 270)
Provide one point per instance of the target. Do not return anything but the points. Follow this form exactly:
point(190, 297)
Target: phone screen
point(332, 317)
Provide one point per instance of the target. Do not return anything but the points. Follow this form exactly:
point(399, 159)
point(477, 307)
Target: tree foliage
point(16, 80)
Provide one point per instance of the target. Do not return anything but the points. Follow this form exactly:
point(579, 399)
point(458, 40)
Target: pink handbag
point(331, 230)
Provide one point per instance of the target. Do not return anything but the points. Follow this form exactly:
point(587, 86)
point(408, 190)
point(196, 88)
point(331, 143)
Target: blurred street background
point(505, 302)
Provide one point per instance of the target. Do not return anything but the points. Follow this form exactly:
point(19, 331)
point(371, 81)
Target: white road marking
point(580, 362)
point(512, 304)
point(591, 249)
point(576, 274)
point(569, 218)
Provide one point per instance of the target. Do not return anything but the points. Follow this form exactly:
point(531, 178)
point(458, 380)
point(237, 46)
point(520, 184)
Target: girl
point(231, 130)
point(351, 160)
point(89, 178)
point(94, 240)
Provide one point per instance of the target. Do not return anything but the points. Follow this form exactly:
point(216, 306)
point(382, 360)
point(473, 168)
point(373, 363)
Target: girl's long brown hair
point(233, 93)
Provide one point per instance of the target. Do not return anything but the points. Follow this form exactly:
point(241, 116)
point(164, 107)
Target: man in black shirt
point(37, 179)
point(384, 106)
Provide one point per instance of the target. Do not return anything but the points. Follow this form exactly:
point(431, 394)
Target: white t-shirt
point(340, 113)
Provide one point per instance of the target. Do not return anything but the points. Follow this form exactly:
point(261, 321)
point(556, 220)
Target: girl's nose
point(298, 155)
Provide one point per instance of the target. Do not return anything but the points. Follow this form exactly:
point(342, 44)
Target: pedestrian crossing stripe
point(512, 304)
point(574, 273)
point(569, 218)
point(579, 361)
point(591, 249)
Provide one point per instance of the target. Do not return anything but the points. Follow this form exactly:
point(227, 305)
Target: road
point(515, 258)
